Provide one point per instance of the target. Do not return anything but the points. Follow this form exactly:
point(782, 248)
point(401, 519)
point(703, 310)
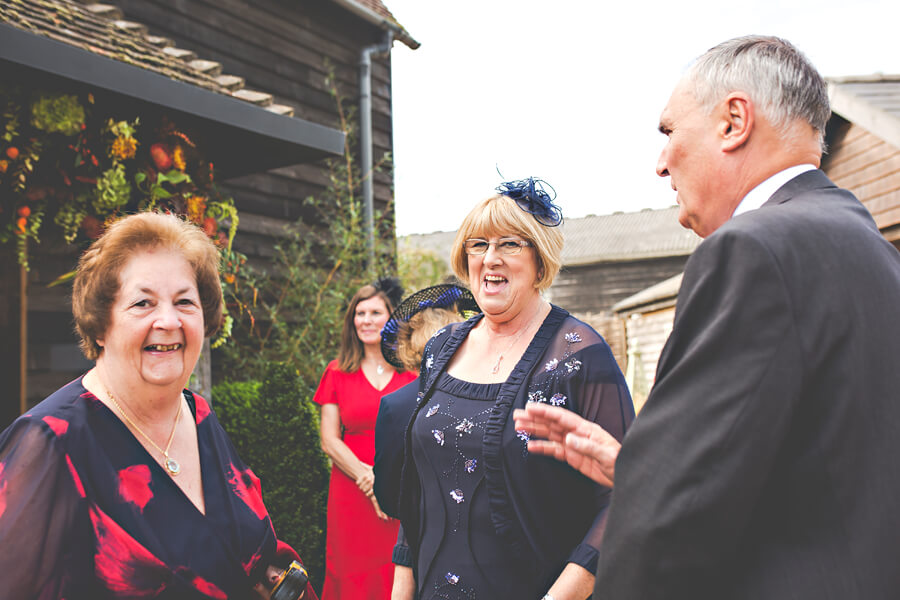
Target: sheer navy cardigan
point(546, 513)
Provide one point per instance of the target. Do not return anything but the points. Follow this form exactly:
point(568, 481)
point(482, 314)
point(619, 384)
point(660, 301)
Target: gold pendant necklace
point(496, 367)
point(171, 465)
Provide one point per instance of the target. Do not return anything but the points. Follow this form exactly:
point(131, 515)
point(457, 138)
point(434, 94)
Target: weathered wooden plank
point(886, 166)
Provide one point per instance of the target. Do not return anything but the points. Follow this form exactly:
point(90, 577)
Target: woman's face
point(156, 322)
point(503, 284)
point(370, 317)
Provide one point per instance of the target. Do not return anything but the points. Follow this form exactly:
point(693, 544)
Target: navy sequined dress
point(484, 519)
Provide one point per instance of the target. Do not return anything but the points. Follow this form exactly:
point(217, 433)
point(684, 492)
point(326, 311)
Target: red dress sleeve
point(39, 501)
point(326, 393)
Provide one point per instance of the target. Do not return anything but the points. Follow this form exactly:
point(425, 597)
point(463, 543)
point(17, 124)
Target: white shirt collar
point(761, 193)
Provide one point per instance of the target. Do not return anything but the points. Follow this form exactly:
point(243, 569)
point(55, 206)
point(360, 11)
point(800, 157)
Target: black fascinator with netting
point(392, 288)
point(446, 295)
point(532, 196)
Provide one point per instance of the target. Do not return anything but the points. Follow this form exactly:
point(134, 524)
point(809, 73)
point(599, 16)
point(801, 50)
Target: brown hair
point(412, 335)
point(97, 278)
point(351, 353)
point(501, 215)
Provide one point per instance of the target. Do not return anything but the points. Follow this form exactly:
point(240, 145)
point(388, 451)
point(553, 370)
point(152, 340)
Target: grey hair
point(775, 74)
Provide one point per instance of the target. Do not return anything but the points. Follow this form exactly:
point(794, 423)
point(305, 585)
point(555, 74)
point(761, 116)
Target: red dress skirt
point(358, 544)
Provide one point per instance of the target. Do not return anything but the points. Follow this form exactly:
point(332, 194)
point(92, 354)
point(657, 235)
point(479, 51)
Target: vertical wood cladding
point(869, 167)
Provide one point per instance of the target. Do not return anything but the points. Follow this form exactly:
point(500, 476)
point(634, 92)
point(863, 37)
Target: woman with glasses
point(482, 517)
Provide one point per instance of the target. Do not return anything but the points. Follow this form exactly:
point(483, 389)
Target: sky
point(571, 91)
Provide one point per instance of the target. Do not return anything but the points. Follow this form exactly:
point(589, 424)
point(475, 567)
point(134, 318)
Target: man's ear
point(737, 119)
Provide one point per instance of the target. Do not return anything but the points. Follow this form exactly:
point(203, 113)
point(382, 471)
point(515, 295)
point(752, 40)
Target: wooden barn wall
point(869, 167)
point(278, 47)
point(612, 329)
point(646, 335)
point(596, 288)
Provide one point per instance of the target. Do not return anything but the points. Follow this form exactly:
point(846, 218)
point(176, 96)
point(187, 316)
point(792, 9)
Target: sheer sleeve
point(39, 553)
point(598, 392)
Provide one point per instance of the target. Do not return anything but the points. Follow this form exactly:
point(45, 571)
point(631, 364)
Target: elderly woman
point(122, 483)
point(360, 536)
point(484, 518)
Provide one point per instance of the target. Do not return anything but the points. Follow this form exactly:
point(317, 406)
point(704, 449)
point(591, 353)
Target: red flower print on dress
point(126, 568)
point(252, 494)
point(202, 408)
point(2, 490)
point(210, 589)
point(59, 426)
point(134, 485)
point(248, 566)
point(75, 477)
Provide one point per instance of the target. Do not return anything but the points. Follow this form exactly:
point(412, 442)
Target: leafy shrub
point(276, 432)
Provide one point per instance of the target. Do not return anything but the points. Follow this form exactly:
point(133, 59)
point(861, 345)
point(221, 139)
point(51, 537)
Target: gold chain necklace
point(171, 465)
point(496, 367)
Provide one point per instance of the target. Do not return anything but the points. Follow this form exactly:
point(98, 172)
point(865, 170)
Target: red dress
point(359, 544)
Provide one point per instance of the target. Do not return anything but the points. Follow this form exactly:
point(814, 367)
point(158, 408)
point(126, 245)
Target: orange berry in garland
point(12, 152)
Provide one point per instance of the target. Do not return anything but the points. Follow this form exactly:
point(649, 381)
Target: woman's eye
point(509, 244)
point(479, 245)
point(141, 303)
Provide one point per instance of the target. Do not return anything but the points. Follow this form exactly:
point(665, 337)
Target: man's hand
point(569, 438)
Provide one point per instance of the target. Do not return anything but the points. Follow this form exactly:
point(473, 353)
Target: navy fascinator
point(531, 197)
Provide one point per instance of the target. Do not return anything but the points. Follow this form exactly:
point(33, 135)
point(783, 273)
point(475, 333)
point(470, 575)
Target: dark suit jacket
point(766, 462)
point(394, 413)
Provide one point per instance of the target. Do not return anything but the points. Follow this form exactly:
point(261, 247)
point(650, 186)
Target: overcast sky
point(571, 91)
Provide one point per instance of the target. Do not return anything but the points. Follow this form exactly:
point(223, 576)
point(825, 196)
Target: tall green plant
point(276, 434)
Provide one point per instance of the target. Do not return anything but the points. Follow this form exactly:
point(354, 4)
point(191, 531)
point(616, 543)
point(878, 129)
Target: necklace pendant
point(497, 365)
point(379, 369)
point(172, 466)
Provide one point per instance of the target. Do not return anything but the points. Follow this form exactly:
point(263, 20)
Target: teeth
point(162, 348)
point(494, 278)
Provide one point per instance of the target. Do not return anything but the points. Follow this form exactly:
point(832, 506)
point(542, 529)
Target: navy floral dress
point(482, 518)
point(86, 512)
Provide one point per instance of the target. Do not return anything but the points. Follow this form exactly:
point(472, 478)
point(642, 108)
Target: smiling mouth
point(494, 279)
point(162, 347)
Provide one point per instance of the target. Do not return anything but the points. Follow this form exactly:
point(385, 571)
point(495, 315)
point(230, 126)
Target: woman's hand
point(380, 513)
point(366, 480)
point(569, 438)
point(264, 588)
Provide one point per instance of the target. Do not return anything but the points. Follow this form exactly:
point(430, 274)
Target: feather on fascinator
point(531, 197)
point(391, 287)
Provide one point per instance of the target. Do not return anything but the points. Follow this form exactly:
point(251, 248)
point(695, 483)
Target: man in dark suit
point(765, 463)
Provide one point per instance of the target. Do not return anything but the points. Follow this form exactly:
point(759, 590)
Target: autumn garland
point(60, 161)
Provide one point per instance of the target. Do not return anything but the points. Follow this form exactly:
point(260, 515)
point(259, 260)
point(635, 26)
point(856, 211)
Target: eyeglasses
point(507, 246)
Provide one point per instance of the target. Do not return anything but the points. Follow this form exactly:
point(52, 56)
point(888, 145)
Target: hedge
point(276, 432)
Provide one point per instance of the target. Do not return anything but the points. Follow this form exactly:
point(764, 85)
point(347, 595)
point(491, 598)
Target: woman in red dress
point(360, 536)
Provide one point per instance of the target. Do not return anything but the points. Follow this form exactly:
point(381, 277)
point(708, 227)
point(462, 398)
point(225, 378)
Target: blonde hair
point(500, 215)
point(412, 335)
point(97, 278)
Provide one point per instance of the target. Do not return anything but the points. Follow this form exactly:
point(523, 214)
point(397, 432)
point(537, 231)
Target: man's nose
point(662, 168)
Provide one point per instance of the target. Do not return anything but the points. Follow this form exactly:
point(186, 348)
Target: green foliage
point(275, 431)
point(60, 113)
point(420, 268)
point(113, 189)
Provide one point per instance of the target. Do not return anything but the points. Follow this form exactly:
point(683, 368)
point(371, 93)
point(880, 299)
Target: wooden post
point(23, 340)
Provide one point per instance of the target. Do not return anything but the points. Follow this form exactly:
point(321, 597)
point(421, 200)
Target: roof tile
point(102, 29)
